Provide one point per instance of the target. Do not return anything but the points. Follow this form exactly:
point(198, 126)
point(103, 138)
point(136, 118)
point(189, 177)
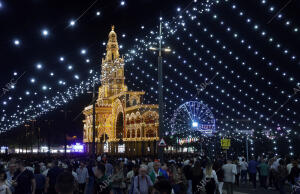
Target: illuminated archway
point(120, 125)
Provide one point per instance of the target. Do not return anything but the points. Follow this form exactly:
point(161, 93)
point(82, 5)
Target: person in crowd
point(197, 176)
point(102, 185)
point(188, 175)
point(48, 167)
point(264, 173)
point(156, 172)
point(42, 167)
point(142, 182)
point(170, 171)
point(10, 174)
point(130, 178)
point(290, 165)
point(210, 178)
point(237, 176)
point(252, 169)
point(150, 165)
point(296, 185)
point(164, 170)
point(244, 167)
point(294, 172)
point(29, 166)
point(108, 166)
point(282, 176)
point(40, 180)
point(272, 173)
point(70, 168)
point(91, 170)
point(162, 187)
point(229, 175)
point(51, 177)
point(117, 180)
point(179, 181)
point(65, 183)
point(220, 174)
point(23, 180)
point(4, 188)
point(83, 177)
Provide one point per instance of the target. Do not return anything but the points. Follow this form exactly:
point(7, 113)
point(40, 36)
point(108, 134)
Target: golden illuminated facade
point(123, 123)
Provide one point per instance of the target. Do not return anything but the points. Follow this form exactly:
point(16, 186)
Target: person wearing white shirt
point(244, 167)
point(82, 176)
point(10, 173)
point(275, 164)
point(229, 176)
point(289, 167)
point(211, 179)
point(4, 188)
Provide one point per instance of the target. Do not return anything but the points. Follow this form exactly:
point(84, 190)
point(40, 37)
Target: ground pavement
point(248, 189)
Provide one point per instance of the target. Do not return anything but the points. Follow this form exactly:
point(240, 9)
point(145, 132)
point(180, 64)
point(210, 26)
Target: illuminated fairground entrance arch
point(124, 124)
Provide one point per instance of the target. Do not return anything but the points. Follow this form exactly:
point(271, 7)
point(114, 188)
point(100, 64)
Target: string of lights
point(198, 52)
point(280, 17)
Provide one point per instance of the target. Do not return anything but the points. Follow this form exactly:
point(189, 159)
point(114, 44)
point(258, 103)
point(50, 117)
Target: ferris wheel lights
point(195, 124)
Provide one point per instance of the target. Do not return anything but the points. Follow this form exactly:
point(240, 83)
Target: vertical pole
point(160, 97)
point(32, 136)
point(65, 111)
point(49, 143)
point(94, 122)
point(201, 150)
point(247, 154)
point(26, 138)
point(39, 139)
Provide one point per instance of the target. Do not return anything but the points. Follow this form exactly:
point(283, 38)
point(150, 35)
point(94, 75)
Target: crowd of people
point(190, 174)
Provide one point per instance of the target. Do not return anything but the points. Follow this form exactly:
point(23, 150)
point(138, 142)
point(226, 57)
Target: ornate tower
point(123, 123)
point(112, 69)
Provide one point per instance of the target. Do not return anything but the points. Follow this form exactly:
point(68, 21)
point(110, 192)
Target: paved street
point(243, 189)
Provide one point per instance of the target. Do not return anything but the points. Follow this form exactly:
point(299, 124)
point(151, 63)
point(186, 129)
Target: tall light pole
point(247, 154)
point(65, 111)
point(160, 90)
point(94, 122)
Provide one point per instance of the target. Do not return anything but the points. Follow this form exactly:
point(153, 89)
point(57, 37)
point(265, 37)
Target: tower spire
point(112, 48)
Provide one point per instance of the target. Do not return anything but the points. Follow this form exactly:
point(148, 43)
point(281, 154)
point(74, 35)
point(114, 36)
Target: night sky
point(25, 21)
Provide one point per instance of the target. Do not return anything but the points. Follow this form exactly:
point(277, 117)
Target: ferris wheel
point(192, 117)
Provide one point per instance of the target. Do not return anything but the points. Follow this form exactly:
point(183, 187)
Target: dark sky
point(25, 20)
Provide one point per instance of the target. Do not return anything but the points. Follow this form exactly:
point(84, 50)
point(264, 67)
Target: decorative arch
point(120, 125)
point(138, 133)
point(132, 118)
point(134, 100)
point(119, 119)
point(128, 133)
point(150, 117)
point(127, 119)
point(138, 118)
point(133, 133)
point(150, 133)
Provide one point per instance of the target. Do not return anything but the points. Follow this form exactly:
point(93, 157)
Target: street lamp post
point(26, 135)
point(39, 139)
point(160, 90)
point(247, 154)
point(94, 122)
point(65, 111)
